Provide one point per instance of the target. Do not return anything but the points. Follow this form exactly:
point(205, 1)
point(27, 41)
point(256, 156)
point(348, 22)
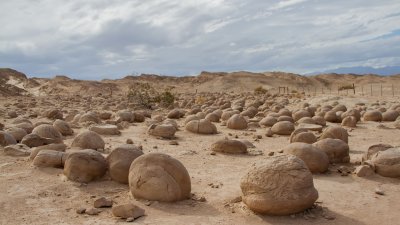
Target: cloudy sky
point(94, 39)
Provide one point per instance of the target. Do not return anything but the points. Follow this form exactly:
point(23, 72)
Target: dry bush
point(346, 87)
point(143, 95)
point(260, 91)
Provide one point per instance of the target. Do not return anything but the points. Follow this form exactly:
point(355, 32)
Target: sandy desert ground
point(32, 195)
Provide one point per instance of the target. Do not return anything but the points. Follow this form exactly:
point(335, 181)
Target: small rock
point(269, 133)
point(173, 143)
point(280, 151)
point(130, 219)
point(17, 150)
point(93, 211)
point(127, 211)
point(271, 153)
point(363, 171)
point(129, 141)
point(328, 217)
point(81, 210)
point(213, 153)
point(236, 200)
point(344, 170)
point(103, 203)
point(379, 191)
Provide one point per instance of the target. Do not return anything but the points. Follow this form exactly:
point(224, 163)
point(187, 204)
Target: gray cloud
point(94, 39)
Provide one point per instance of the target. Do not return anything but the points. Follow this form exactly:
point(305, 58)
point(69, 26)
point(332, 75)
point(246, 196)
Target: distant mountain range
point(384, 71)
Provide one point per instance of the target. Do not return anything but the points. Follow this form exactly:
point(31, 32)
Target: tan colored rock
point(303, 135)
point(162, 130)
point(387, 163)
point(300, 114)
point(335, 132)
point(17, 150)
point(28, 127)
point(55, 147)
point(283, 128)
point(390, 115)
point(212, 117)
point(237, 122)
point(268, 121)
point(127, 211)
point(48, 131)
point(364, 171)
point(373, 149)
point(336, 150)
point(17, 133)
point(34, 140)
point(88, 140)
point(229, 146)
point(50, 158)
point(159, 177)
point(331, 117)
point(373, 115)
point(349, 121)
point(102, 203)
point(119, 161)
point(6, 139)
point(63, 127)
point(316, 160)
point(202, 126)
point(282, 185)
point(85, 166)
point(105, 129)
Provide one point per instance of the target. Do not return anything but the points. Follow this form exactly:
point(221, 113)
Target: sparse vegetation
point(346, 87)
point(260, 91)
point(144, 95)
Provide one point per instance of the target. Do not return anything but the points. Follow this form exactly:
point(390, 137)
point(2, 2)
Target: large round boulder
point(390, 115)
point(387, 163)
point(349, 121)
point(300, 114)
point(162, 130)
point(229, 146)
point(282, 185)
point(85, 166)
point(63, 127)
point(302, 135)
point(159, 177)
point(48, 131)
point(50, 158)
point(335, 132)
point(336, 150)
point(202, 126)
point(6, 139)
point(373, 149)
point(373, 115)
point(17, 133)
point(119, 161)
point(283, 128)
point(316, 160)
point(268, 121)
point(88, 140)
point(237, 122)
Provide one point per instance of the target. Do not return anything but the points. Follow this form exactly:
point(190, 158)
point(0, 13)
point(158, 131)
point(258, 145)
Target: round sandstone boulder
point(159, 177)
point(282, 185)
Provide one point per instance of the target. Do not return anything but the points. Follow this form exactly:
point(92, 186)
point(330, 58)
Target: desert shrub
point(165, 98)
point(260, 91)
point(346, 87)
point(143, 95)
point(200, 100)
